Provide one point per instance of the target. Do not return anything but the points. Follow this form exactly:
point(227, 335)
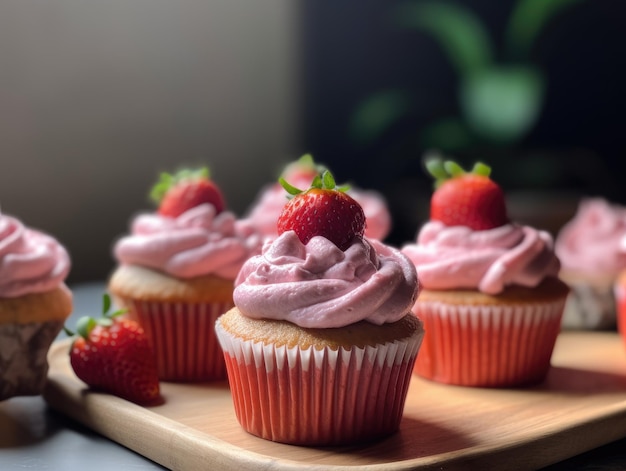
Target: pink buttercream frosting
point(594, 241)
point(320, 286)
point(196, 243)
point(458, 257)
point(264, 213)
point(30, 261)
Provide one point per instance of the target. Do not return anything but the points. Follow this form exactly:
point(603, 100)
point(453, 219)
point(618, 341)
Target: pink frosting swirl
point(30, 261)
point(265, 211)
point(319, 286)
point(196, 243)
point(458, 257)
point(594, 241)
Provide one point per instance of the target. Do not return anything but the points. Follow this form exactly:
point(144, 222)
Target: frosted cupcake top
point(317, 285)
point(30, 261)
point(594, 241)
point(196, 243)
point(458, 257)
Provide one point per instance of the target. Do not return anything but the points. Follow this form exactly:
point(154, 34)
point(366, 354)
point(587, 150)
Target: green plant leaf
point(447, 134)
point(460, 32)
point(527, 20)
point(377, 113)
point(502, 104)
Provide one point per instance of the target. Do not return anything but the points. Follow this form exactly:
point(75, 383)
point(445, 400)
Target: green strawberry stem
point(85, 324)
point(445, 170)
point(325, 181)
point(168, 180)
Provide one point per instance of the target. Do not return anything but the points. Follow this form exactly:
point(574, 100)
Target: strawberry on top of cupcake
point(321, 271)
point(300, 173)
point(470, 242)
point(191, 234)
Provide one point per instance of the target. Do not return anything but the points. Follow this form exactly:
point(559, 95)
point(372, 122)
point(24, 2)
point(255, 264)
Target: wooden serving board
point(580, 406)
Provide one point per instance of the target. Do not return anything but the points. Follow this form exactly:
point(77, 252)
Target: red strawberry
point(466, 199)
point(322, 210)
point(113, 354)
point(184, 190)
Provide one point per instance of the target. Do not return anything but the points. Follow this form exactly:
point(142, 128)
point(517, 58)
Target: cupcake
point(592, 250)
point(321, 344)
point(34, 303)
point(176, 272)
point(269, 203)
point(491, 301)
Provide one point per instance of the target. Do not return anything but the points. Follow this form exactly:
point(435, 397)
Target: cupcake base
point(319, 396)
point(183, 338)
point(591, 303)
point(500, 341)
point(178, 316)
point(28, 326)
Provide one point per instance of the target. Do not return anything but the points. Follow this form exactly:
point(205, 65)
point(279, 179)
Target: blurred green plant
point(499, 100)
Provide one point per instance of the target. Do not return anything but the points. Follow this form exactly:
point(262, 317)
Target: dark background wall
point(97, 98)
point(352, 50)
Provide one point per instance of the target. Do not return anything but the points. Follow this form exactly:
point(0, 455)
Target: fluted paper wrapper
point(23, 357)
point(620, 300)
point(183, 338)
point(487, 345)
point(589, 306)
point(319, 397)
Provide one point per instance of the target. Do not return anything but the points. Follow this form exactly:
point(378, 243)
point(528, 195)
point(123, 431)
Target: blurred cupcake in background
point(491, 301)
point(34, 303)
point(176, 272)
point(264, 212)
point(592, 250)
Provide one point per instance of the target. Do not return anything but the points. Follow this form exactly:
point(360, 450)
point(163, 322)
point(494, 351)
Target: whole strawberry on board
point(186, 189)
point(463, 198)
point(113, 354)
point(322, 210)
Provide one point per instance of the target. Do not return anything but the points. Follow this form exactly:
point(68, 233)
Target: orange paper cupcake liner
point(487, 345)
point(318, 397)
point(183, 338)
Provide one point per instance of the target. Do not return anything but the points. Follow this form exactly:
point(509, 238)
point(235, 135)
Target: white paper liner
point(590, 307)
point(183, 338)
point(491, 345)
point(319, 397)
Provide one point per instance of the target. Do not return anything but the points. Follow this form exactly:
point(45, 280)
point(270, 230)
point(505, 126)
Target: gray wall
point(98, 97)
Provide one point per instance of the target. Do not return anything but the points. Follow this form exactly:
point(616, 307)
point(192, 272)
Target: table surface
point(35, 437)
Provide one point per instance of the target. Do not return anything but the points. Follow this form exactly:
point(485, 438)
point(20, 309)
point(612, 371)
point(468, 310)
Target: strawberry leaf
point(481, 169)
point(106, 303)
point(328, 181)
point(168, 180)
point(85, 325)
point(292, 190)
point(453, 169)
